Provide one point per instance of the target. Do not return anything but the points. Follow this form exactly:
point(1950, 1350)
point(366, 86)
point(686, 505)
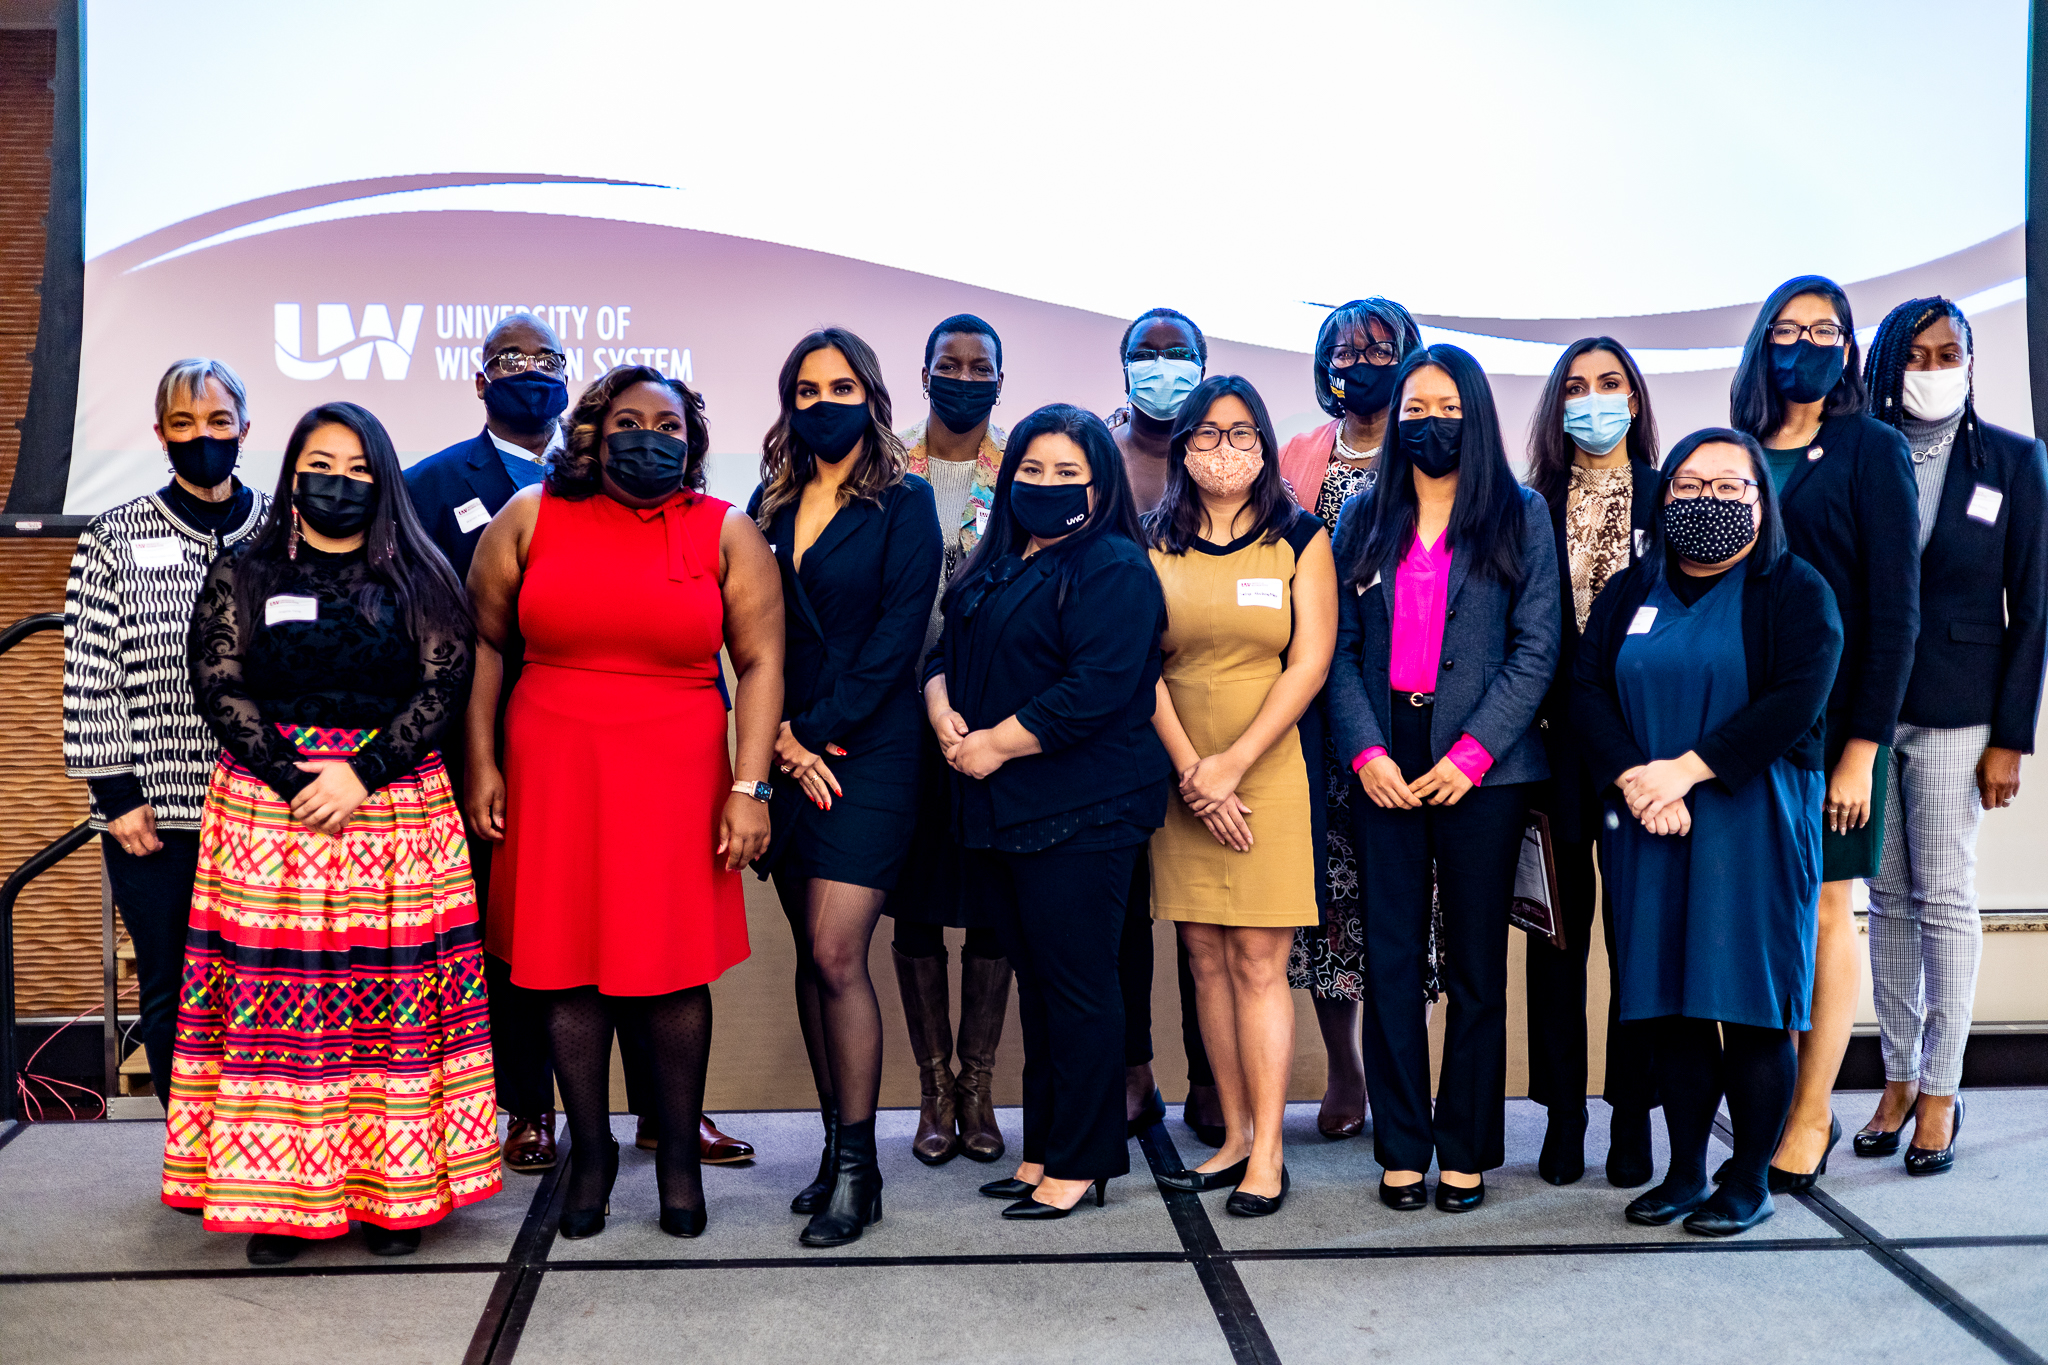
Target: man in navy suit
point(456, 492)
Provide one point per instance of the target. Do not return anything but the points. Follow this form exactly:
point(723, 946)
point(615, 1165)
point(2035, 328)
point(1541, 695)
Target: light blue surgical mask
point(1598, 422)
point(1159, 387)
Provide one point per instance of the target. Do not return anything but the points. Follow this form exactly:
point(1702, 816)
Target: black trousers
point(1061, 918)
point(1134, 976)
point(1474, 846)
point(154, 895)
point(1557, 1001)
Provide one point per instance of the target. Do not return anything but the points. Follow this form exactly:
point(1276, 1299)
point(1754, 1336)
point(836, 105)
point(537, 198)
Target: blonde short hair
point(187, 378)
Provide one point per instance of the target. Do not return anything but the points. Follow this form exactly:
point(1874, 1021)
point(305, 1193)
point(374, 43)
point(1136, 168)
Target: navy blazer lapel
point(1956, 485)
point(994, 618)
point(484, 472)
point(844, 523)
point(782, 544)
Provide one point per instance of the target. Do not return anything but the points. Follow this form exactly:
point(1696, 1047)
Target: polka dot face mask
point(1706, 530)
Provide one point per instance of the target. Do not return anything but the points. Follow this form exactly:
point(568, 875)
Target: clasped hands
point(325, 804)
point(1443, 785)
point(1656, 792)
point(1208, 786)
point(973, 753)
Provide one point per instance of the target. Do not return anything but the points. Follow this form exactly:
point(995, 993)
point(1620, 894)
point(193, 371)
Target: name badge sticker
point(981, 521)
point(1984, 504)
point(159, 553)
point(1260, 592)
point(471, 515)
point(1645, 618)
point(1642, 541)
point(286, 607)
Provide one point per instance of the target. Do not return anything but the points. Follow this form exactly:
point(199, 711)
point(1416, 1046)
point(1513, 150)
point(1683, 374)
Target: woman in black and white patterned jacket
point(131, 727)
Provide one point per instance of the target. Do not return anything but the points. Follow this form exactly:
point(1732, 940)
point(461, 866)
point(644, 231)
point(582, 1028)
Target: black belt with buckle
point(1422, 699)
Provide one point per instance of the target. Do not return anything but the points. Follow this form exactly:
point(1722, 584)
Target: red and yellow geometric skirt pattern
point(333, 1056)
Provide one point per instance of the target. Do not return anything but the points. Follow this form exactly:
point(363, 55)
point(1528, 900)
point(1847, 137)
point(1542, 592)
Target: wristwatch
point(760, 791)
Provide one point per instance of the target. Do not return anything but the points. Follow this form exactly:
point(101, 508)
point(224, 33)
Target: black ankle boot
point(856, 1199)
point(1628, 1149)
point(1563, 1158)
point(811, 1198)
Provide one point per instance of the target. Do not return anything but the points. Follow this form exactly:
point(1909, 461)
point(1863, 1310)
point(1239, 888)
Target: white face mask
point(1931, 395)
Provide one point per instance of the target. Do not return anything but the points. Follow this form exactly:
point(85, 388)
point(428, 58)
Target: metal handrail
point(60, 848)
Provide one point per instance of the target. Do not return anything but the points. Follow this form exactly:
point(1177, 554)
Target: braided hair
point(1884, 370)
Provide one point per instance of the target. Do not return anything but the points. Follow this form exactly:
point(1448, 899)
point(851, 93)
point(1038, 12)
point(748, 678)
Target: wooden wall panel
point(28, 59)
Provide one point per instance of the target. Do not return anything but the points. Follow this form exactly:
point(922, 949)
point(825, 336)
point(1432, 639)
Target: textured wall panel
point(27, 62)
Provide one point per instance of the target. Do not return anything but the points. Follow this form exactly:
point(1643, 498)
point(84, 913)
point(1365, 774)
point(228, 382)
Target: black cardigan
point(1569, 795)
point(1850, 508)
point(1984, 594)
point(1791, 642)
point(1071, 649)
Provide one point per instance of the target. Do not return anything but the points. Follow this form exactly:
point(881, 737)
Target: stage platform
point(1878, 1267)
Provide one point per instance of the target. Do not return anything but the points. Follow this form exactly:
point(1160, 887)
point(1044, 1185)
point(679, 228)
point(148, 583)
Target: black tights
point(929, 940)
point(833, 923)
point(1697, 1060)
point(678, 1027)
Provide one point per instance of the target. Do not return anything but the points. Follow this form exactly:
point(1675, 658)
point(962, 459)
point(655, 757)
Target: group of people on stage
point(1046, 686)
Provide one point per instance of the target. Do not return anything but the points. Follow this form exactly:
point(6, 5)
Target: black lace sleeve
point(446, 658)
point(214, 652)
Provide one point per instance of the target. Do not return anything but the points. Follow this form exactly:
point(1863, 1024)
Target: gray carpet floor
point(1875, 1266)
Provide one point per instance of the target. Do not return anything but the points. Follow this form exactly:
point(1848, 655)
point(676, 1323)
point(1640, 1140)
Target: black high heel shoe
point(580, 1223)
point(1028, 1210)
point(680, 1222)
point(1153, 1111)
point(1933, 1160)
point(812, 1197)
point(1012, 1189)
point(1563, 1158)
point(1452, 1199)
point(1199, 1182)
point(856, 1201)
point(1246, 1205)
point(1877, 1141)
point(1405, 1198)
point(1793, 1182)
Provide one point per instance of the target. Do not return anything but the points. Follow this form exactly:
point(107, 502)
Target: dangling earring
point(292, 549)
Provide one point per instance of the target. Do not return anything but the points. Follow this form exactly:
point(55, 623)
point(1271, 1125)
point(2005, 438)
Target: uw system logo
point(356, 339)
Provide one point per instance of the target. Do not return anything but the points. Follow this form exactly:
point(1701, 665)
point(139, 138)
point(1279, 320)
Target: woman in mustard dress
point(1251, 603)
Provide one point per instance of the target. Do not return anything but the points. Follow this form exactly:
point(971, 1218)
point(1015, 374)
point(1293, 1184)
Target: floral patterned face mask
point(1225, 471)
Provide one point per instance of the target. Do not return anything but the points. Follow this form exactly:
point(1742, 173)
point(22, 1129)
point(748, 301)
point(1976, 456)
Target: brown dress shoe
point(530, 1144)
point(984, 996)
point(923, 983)
point(716, 1149)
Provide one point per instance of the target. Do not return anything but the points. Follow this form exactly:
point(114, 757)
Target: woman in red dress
point(623, 827)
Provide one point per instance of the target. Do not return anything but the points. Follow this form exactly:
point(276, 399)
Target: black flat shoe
point(274, 1248)
point(1563, 1158)
point(1935, 1161)
point(1711, 1221)
point(1153, 1111)
point(1257, 1205)
point(580, 1223)
point(1793, 1182)
point(684, 1222)
point(1031, 1211)
point(391, 1241)
point(1451, 1199)
point(1628, 1149)
point(1011, 1189)
point(1404, 1198)
point(1657, 1207)
point(1196, 1182)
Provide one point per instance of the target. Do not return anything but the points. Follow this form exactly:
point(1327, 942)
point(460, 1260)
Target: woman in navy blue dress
point(1699, 690)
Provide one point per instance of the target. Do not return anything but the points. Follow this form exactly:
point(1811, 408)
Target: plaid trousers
point(1925, 937)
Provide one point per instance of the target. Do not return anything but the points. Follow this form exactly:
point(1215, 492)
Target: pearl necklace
point(1345, 452)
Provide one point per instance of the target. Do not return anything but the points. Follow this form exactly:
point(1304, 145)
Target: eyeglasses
point(1379, 353)
point(518, 362)
point(1208, 437)
point(1822, 333)
point(1724, 490)
point(1144, 353)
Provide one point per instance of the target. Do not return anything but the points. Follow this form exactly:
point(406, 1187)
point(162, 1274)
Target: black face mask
point(962, 404)
point(1048, 511)
point(1367, 388)
point(830, 430)
point(1805, 373)
point(646, 464)
point(1706, 530)
point(334, 504)
point(525, 403)
point(1432, 443)
point(204, 461)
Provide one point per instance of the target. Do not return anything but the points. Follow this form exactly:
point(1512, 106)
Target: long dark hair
point(1551, 451)
point(576, 472)
point(1115, 512)
point(1486, 513)
point(1884, 373)
point(1360, 313)
point(398, 554)
point(1770, 531)
point(787, 464)
point(1753, 402)
point(1176, 523)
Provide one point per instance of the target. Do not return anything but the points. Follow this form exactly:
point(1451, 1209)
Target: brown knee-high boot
point(923, 983)
point(984, 997)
